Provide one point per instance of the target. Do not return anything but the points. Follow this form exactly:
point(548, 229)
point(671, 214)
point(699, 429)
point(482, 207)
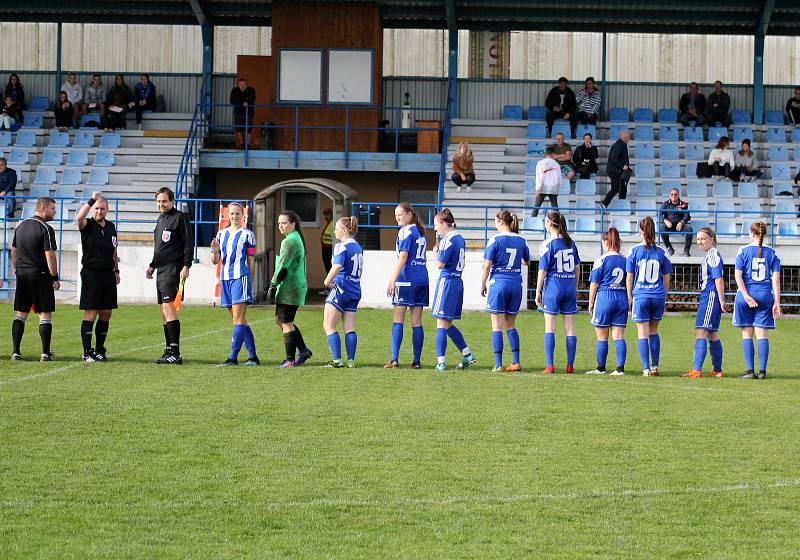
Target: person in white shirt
point(721, 159)
point(74, 90)
point(548, 180)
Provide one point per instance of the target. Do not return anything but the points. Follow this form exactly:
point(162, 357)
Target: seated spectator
point(793, 108)
point(463, 167)
point(14, 89)
point(563, 155)
point(114, 117)
point(243, 97)
point(10, 115)
point(618, 168)
point(719, 104)
point(144, 97)
point(721, 159)
point(95, 97)
point(74, 91)
point(675, 217)
point(746, 164)
point(125, 93)
point(548, 180)
point(585, 157)
point(8, 185)
point(692, 106)
point(588, 103)
point(62, 110)
point(561, 104)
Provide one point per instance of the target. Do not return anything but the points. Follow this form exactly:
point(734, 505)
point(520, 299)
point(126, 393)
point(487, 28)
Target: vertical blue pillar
point(452, 70)
point(58, 60)
point(758, 79)
point(208, 68)
point(603, 89)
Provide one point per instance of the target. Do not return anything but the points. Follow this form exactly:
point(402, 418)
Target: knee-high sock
point(45, 333)
point(763, 353)
point(249, 342)
point(289, 345)
point(572, 347)
point(174, 330)
point(86, 335)
point(749, 352)
point(100, 334)
point(621, 350)
point(397, 340)
point(513, 343)
point(298, 340)
point(17, 330)
point(335, 344)
point(351, 343)
point(601, 351)
point(458, 339)
point(700, 349)
point(644, 352)
point(497, 348)
point(441, 344)
point(549, 348)
point(417, 340)
point(715, 348)
point(237, 340)
point(655, 349)
point(166, 337)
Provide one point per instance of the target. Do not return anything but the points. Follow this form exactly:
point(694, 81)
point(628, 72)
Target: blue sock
point(250, 342)
point(763, 353)
point(700, 349)
point(644, 352)
point(655, 349)
point(621, 349)
point(601, 351)
point(513, 343)
point(572, 347)
point(236, 340)
point(335, 344)
point(749, 352)
point(441, 343)
point(417, 339)
point(497, 348)
point(457, 338)
point(397, 340)
point(351, 343)
point(715, 347)
point(549, 348)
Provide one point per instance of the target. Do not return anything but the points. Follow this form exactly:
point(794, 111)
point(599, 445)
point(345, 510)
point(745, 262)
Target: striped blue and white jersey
point(710, 270)
point(235, 247)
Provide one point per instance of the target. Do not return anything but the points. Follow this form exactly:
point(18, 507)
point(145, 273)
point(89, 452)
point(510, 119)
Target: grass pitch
point(133, 460)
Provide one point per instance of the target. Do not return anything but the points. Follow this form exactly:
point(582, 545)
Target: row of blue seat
point(64, 192)
point(70, 176)
point(666, 132)
point(83, 139)
point(697, 208)
point(75, 158)
point(787, 229)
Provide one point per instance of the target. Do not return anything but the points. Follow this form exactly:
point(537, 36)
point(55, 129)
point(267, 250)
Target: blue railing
point(446, 141)
point(184, 181)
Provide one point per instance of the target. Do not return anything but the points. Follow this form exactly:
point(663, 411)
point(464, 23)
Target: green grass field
point(133, 460)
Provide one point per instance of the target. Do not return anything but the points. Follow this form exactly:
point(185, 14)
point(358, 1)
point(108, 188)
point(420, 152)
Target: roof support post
point(58, 59)
point(452, 57)
point(758, 61)
point(603, 89)
point(208, 68)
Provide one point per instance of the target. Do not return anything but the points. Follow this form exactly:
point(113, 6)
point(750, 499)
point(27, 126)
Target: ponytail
point(560, 222)
point(350, 223)
point(612, 238)
point(407, 208)
point(509, 219)
point(648, 229)
point(759, 229)
point(447, 217)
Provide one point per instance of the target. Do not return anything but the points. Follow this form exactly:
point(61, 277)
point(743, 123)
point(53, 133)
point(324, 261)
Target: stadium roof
point(731, 17)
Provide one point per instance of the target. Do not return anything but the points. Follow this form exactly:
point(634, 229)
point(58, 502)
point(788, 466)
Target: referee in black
point(33, 254)
point(99, 275)
point(173, 253)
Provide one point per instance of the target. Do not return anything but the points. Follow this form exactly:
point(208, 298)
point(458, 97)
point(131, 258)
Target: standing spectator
point(588, 102)
point(62, 110)
point(144, 95)
point(721, 158)
point(14, 89)
point(563, 156)
point(793, 108)
point(548, 180)
point(95, 97)
point(326, 241)
point(115, 114)
point(676, 217)
point(10, 115)
point(8, 186)
point(746, 164)
point(585, 158)
point(463, 167)
point(123, 90)
point(692, 106)
point(618, 168)
point(74, 91)
point(561, 104)
point(243, 98)
point(719, 103)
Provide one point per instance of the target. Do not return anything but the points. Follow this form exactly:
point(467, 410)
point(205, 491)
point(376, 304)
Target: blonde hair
point(350, 223)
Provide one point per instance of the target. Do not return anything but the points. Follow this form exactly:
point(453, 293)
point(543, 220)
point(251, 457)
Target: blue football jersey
point(608, 272)
point(648, 267)
point(710, 270)
point(409, 240)
point(757, 272)
point(452, 250)
point(559, 261)
point(507, 251)
point(234, 248)
point(349, 255)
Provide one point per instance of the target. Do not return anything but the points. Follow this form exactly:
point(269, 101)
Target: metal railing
point(184, 180)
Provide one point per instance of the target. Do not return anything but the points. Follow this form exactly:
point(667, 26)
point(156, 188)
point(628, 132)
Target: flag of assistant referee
point(33, 254)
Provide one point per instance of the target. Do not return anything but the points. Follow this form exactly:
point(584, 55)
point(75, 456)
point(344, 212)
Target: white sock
point(466, 351)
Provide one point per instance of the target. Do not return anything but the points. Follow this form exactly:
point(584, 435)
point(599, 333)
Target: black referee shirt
point(32, 238)
point(174, 240)
point(98, 243)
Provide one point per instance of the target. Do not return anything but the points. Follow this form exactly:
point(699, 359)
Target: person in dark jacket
point(675, 217)
point(718, 106)
point(8, 187)
point(243, 98)
point(793, 108)
point(692, 106)
point(618, 168)
point(125, 93)
point(62, 111)
point(15, 91)
point(144, 97)
point(584, 158)
point(114, 116)
point(561, 104)
point(10, 115)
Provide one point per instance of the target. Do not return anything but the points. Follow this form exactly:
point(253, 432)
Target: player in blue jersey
point(504, 258)
point(758, 301)
point(710, 308)
point(608, 303)
point(234, 247)
point(344, 283)
point(408, 283)
point(557, 287)
point(448, 294)
point(649, 272)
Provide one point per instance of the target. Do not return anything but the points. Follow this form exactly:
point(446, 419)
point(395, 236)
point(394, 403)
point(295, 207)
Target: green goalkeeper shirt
point(292, 258)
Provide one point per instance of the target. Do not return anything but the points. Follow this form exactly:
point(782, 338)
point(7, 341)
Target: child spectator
point(63, 112)
point(144, 96)
point(74, 91)
point(14, 89)
point(10, 115)
point(463, 167)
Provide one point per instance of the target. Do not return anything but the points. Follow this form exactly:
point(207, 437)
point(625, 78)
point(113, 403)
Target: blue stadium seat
point(643, 115)
point(52, 157)
point(584, 129)
point(668, 133)
point(585, 187)
point(530, 166)
point(584, 225)
point(669, 150)
point(645, 170)
point(741, 116)
point(533, 224)
point(25, 139)
point(618, 115)
point(644, 150)
point(19, 157)
point(620, 206)
point(39, 104)
point(670, 169)
point(528, 200)
point(45, 176)
point(59, 140)
point(693, 133)
point(774, 117)
point(643, 132)
point(98, 177)
point(746, 226)
point(32, 120)
point(530, 185)
point(722, 189)
point(782, 188)
point(695, 152)
point(667, 116)
point(512, 113)
point(111, 140)
point(742, 133)
point(748, 190)
point(537, 113)
point(646, 187)
point(537, 130)
point(787, 229)
point(563, 128)
point(647, 205)
point(725, 227)
point(78, 158)
point(5, 138)
point(70, 176)
point(84, 139)
point(724, 208)
point(699, 209)
point(65, 192)
point(614, 130)
point(585, 203)
point(86, 119)
point(778, 154)
point(38, 191)
point(797, 151)
point(786, 206)
point(776, 134)
point(751, 209)
point(623, 225)
point(796, 136)
point(104, 158)
point(536, 147)
point(716, 132)
point(668, 185)
point(565, 187)
point(696, 188)
point(28, 210)
point(697, 224)
point(781, 172)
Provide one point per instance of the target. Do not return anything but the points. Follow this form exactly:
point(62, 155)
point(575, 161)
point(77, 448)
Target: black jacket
point(174, 240)
point(582, 153)
point(8, 180)
point(125, 95)
point(238, 97)
point(14, 111)
point(617, 157)
point(793, 110)
point(724, 101)
point(675, 217)
point(554, 99)
point(699, 103)
point(20, 94)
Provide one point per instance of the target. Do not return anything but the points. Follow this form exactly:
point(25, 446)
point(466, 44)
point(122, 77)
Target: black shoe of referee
point(100, 355)
point(173, 358)
point(163, 358)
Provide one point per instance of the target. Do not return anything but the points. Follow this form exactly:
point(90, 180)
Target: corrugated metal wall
point(422, 93)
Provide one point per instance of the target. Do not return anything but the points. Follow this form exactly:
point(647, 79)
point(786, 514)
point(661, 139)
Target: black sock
point(100, 333)
point(166, 337)
point(289, 344)
point(45, 333)
point(17, 330)
point(298, 340)
point(86, 335)
point(174, 330)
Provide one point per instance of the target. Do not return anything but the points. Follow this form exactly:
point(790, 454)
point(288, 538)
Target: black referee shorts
point(98, 289)
point(285, 313)
point(168, 277)
point(36, 291)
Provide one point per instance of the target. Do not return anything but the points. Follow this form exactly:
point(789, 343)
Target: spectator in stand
point(62, 110)
point(618, 168)
point(588, 102)
point(563, 156)
point(692, 106)
point(793, 108)
point(548, 180)
point(10, 115)
point(746, 164)
point(719, 104)
point(14, 89)
point(721, 159)
point(463, 167)
point(74, 90)
point(114, 117)
point(243, 97)
point(561, 104)
point(8, 186)
point(95, 96)
point(676, 217)
point(144, 96)
point(585, 158)
point(125, 93)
